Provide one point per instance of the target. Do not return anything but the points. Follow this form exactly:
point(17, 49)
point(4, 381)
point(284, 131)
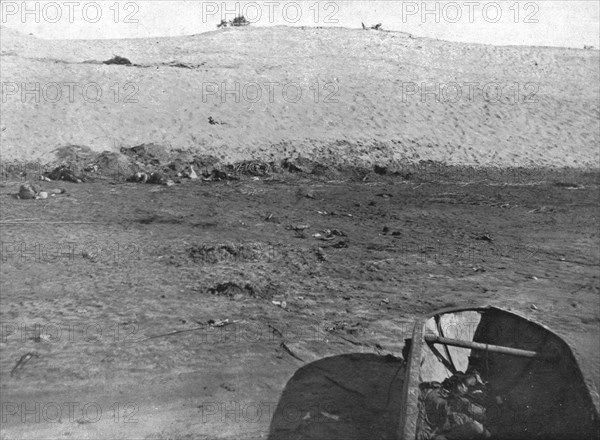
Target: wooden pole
point(488, 347)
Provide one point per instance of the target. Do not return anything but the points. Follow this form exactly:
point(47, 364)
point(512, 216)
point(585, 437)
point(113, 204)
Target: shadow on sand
point(346, 397)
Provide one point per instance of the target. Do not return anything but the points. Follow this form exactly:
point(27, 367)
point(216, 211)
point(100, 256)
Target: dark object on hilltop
point(376, 27)
point(240, 21)
point(236, 22)
point(118, 60)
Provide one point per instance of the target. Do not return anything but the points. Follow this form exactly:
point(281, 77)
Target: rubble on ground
point(66, 173)
point(27, 191)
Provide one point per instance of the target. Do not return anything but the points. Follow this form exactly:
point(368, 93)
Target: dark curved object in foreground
point(347, 397)
point(537, 387)
point(532, 376)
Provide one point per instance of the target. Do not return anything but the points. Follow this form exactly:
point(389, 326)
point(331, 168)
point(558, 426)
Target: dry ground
point(137, 283)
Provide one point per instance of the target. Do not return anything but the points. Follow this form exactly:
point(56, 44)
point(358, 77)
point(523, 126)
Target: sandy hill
point(355, 104)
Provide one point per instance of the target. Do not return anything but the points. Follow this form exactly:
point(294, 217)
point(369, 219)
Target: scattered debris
point(330, 234)
point(307, 193)
point(220, 323)
point(27, 192)
point(350, 329)
point(541, 210)
point(217, 175)
point(228, 387)
point(342, 244)
point(64, 172)
point(212, 121)
point(236, 291)
point(299, 230)
point(484, 237)
point(320, 255)
point(300, 165)
point(138, 177)
point(148, 154)
point(569, 185)
point(254, 168)
point(22, 361)
point(290, 352)
point(281, 304)
point(376, 27)
point(334, 233)
point(155, 178)
point(183, 65)
point(73, 153)
point(330, 416)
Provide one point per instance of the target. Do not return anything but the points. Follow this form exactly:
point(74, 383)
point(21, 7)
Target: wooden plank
point(488, 347)
point(407, 429)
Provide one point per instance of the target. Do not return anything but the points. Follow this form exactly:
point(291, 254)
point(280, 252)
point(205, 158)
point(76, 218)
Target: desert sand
point(363, 98)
